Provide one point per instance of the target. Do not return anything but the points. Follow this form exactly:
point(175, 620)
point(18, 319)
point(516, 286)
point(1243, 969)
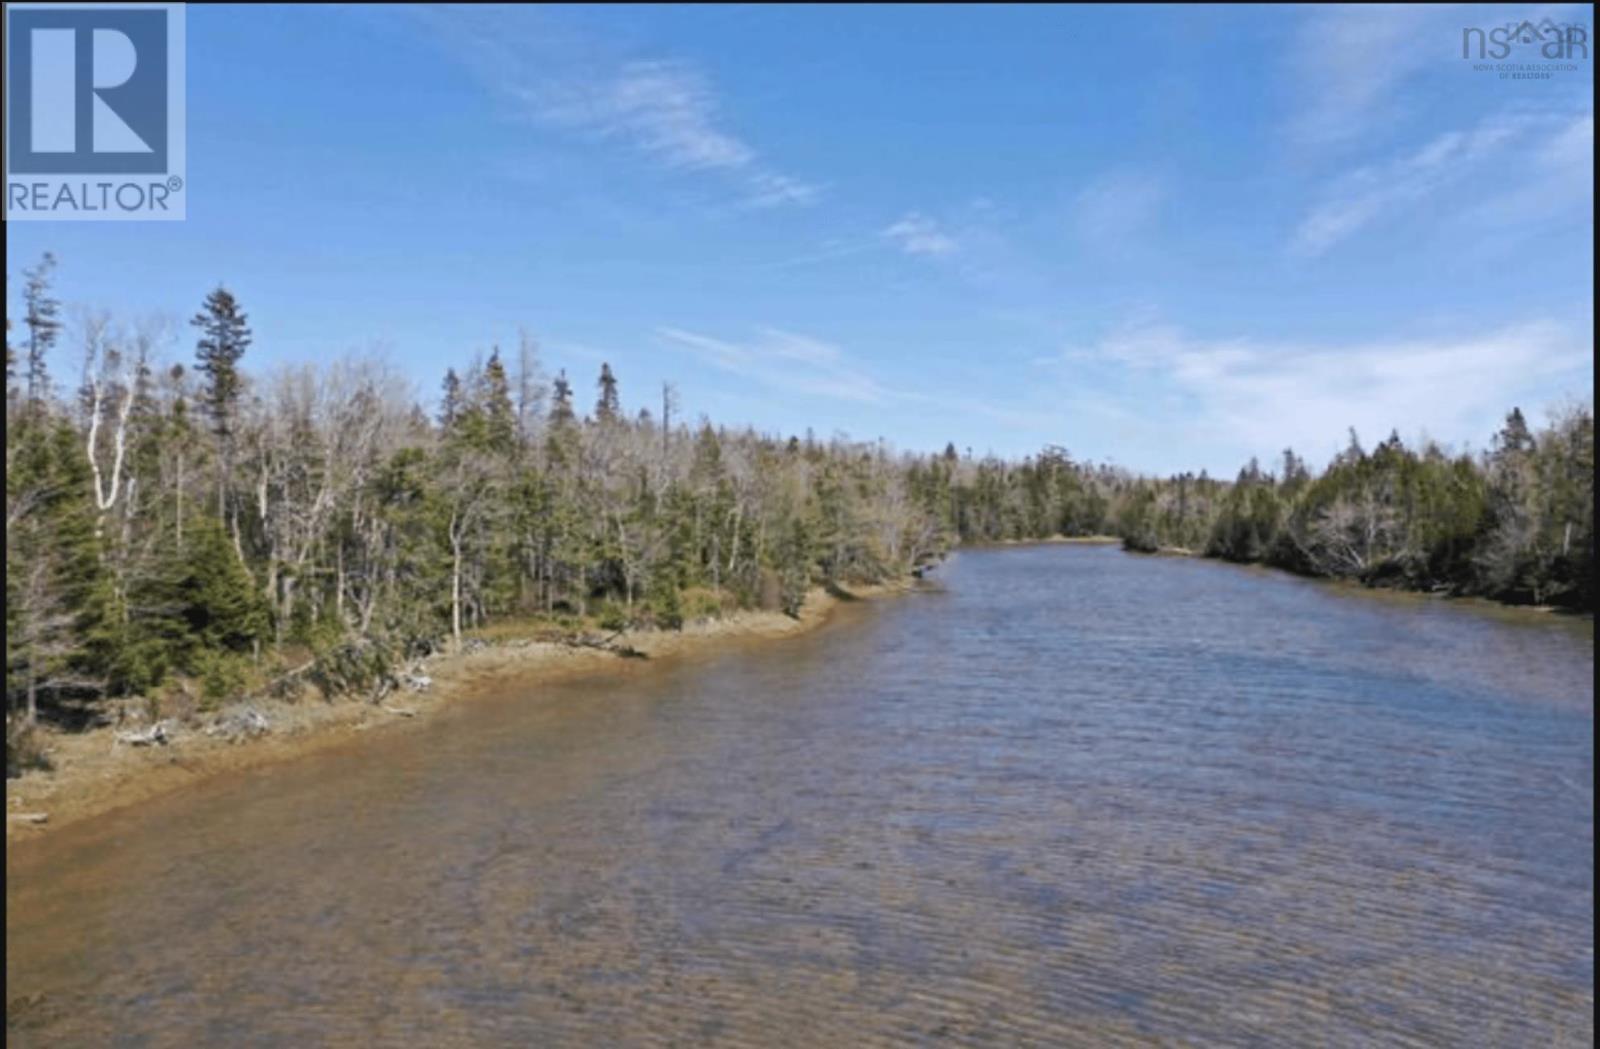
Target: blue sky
point(1166, 237)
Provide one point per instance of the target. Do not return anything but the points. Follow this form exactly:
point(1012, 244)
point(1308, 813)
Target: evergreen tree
point(53, 566)
point(200, 606)
point(224, 336)
point(500, 417)
point(562, 414)
point(609, 407)
point(375, 528)
point(450, 401)
point(42, 317)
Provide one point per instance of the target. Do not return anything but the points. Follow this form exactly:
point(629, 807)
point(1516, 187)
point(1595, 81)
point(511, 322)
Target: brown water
point(1074, 798)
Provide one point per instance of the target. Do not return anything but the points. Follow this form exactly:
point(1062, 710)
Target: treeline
point(1515, 524)
point(195, 523)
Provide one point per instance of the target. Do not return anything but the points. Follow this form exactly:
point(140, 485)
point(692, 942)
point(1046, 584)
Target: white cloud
point(666, 110)
point(1118, 206)
point(1354, 70)
point(785, 361)
point(663, 108)
point(1258, 397)
point(916, 234)
point(800, 365)
point(768, 189)
point(1559, 146)
point(1348, 62)
point(1556, 180)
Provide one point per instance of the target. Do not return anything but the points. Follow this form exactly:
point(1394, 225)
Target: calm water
point(1073, 797)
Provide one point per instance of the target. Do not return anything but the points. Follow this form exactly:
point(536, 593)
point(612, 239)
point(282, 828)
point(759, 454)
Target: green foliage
point(349, 520)
point(700, 603)
point(1247, 520)
point(1517, 525)
point(666, 605)
point(57, 604)
point(218, 599)
point(613, 617)
point(1137, 521)
point(351, 666)
point(224, 336)
point(193, 612)
point(794, 567)
point(42, 318)
point(223, 676)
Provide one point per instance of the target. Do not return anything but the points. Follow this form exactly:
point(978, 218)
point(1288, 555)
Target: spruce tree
point(608, 409)
point(42, 317)
point(450, 400)
point(53, 566)
point(224, 336)
point(499, 414)
point(562, 414)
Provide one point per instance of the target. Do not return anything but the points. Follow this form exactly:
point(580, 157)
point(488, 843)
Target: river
point(1067, 796)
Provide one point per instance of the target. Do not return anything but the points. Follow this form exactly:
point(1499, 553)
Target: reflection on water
point(1076, 797)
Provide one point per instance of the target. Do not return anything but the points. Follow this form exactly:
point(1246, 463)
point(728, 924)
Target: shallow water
point(1072, 797)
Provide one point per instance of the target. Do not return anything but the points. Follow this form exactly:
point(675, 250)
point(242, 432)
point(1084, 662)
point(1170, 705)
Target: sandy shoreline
point(94, 775)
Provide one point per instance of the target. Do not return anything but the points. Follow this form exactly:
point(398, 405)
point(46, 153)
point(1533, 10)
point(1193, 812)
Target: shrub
point(700, 603)
point(612, 616)
point(222, 676)
point(24, 748)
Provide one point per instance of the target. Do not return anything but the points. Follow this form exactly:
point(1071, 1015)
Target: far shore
point(93, 774)
point(1077, 540)
point(1399, 593)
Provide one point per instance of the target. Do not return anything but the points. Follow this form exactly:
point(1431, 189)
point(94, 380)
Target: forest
point(188, 525)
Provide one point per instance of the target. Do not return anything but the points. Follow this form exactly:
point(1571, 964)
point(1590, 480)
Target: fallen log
point(240, 724)
point(402, 711)
point(276, 685)
point(604, 644)
point(29, 817)
point(158, 734)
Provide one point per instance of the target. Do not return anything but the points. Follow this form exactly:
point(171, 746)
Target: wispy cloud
point(1557, 180)
point(1353, 70)
point(829, 250)
point(1260, 396)
point(1347, 64)
point(664, 109)
point(784, 361)
point(917, 234)
point(800, 365)
point(1118, 206)
point(1555, 147)
point(1361, 197)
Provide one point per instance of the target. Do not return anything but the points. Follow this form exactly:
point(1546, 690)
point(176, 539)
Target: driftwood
point(604, 644)
point(29, 817)
point(585, 641)
point(240, 724)
point(402, 711)
point(159, 733)
point(281, 684)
